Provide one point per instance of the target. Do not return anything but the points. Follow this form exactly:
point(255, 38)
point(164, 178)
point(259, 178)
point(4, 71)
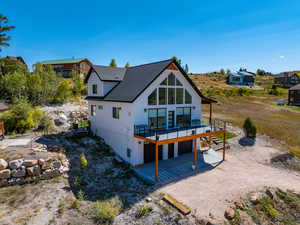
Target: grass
point(13, 195)
point(143, 211)
point(104, 212)
point(285, 106)
point(229, 135)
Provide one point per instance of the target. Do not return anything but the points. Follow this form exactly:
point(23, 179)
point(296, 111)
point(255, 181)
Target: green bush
point(143, 211)
point(249, 128)
point(21, 118)
point(75, 204)
point(83, 161)
point(104, 212)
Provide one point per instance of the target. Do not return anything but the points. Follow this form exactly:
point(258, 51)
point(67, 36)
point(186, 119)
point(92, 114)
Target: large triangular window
point(187, 97)
point(152, 98)
point(171, 80)
point(178, 83)
point(165, 82)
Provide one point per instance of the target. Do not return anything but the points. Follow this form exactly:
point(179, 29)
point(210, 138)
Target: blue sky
point(207, 35)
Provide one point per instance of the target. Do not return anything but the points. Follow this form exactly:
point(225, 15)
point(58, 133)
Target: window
point(171, 96)
point(178, 83)
point(128, 152)
point(179, 95)
point(165, 82)
point(94, 88)
point(93, 110)
point(237, 79)
point(183, 116)
point(187, 97)
point(162, 96)
point(152, 98)
point(100, 107)
point(171, 79)
point(116, 112)
point(157, 118)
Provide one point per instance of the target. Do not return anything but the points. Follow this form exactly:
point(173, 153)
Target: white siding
point(94, 79)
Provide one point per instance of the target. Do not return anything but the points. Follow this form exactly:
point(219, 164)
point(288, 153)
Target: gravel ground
point(246, 169)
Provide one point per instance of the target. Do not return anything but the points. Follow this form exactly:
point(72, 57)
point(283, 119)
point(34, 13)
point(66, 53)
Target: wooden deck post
point(156, 161)
point(195, 153)
point(224, 141)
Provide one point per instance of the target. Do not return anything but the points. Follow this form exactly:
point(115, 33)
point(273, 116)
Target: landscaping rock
point(269, 193)
point(29, 162)
point(50, 173)
point(254, 197)
point(3, 182)
point(4, 174)
point(56, 164)
point(239, 205)
point(41, 162)
point(47, 165)
point(3, 164)
point(229, 214)
point(34, 171)
point(15, 164)
point(21, 172)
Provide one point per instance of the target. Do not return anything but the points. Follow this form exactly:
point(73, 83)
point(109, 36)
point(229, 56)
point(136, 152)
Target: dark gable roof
point(108, 73)
point(296, 87)
point(136, 79)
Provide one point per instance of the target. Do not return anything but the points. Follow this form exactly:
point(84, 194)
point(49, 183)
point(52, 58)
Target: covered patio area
point(180, 167)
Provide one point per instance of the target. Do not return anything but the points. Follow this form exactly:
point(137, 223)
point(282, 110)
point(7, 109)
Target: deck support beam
point(195, 153)
point(210, 113)
point(156, 161)
point(224, 141)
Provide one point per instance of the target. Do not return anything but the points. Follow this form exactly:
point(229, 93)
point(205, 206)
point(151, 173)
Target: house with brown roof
point(287, 79)
point(294, 95)
point(64, 67)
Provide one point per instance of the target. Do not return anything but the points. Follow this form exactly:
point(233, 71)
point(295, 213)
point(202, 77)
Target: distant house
point(3, 107)
point(241, 78)
point(287, 79)
point(64, 67)
point(17, 58)
point(294, 95)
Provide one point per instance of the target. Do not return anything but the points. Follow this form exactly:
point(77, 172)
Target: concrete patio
point(180, 167)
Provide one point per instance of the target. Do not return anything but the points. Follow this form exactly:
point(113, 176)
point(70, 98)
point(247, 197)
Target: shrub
point(143, 211)
point(83, 161)
point(21, 118)
point(75, 204)
point(45, 124)
point(249, 128)
point(104, 212)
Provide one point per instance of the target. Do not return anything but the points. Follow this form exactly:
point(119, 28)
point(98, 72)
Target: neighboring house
point(137, 108)
point(287, 79)
point(17, 58)
point(294, 95)
point(241, 78)
point(64, 67)
point(3, 107)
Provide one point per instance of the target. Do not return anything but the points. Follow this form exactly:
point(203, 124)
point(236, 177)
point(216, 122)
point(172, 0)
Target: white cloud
point(282, 56)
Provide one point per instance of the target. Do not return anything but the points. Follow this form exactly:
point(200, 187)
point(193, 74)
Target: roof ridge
point(110, 66)
point(150, 63)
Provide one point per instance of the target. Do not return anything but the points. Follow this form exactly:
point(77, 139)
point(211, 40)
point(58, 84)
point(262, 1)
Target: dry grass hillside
point(234, 105)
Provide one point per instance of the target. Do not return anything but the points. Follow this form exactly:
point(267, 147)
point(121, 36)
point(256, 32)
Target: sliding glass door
point(183, 116)
point(157, 118)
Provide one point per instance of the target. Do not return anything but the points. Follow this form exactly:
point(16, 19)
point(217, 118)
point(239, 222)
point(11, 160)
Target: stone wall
point(20, 171)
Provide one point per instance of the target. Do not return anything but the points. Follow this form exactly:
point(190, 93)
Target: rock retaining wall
point(20, 171)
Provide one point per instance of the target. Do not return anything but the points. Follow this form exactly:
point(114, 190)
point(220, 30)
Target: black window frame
point(95, 89)
point(158, 123)
point(162, 100)
point(153, 93)
point(187, 95)
point(116, 112)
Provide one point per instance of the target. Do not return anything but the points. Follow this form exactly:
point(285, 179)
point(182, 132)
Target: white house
point(134, 108)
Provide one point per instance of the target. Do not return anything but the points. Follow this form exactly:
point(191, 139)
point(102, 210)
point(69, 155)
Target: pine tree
point(222, 71)
point(113, 63)
point(3, 29)
point(186, 68)
point(127, 65)
point(177, 60)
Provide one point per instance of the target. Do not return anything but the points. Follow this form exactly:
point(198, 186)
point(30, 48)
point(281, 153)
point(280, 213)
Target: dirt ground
point(246, 169)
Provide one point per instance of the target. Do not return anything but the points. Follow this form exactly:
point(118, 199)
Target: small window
point(171, 79)
point(93, 110)
point(165, 82)
point(178, 83)
point(116, 112)
point(100, 107)
point(179, 95)
point(128, 152)
point(94, 88)
point(152, 98)
point(188, 97)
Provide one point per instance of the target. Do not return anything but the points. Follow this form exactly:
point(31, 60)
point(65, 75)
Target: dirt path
point(246, 169)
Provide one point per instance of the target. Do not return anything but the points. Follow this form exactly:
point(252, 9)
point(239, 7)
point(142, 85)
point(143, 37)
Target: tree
point(113, 63)
point(127, 65)
point(260, 72)
point(228, 71)
point(177, 60)
point(15, 86)
point(3, 29)
point(186, 68)
point(77, 83)
point(222, 71)
point(249, 128)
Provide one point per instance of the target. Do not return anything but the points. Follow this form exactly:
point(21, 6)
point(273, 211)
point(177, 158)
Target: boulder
point(3, 182)
point(4, 174)
point(56, 164)
point(3, 164)
point(15, 164)
point(239, 205)
point(229, 214)
point(29, 162)
point(21, 172)
point(50, 173)
point(41, 162)
point(34, 171)
point(254, 197)
point(47, 165)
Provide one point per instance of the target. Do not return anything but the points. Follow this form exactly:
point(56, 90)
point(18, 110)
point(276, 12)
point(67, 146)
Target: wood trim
point(188, 138)
point(195, 152)
point(139, 165)
point(172, 67)
point(156, 161)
